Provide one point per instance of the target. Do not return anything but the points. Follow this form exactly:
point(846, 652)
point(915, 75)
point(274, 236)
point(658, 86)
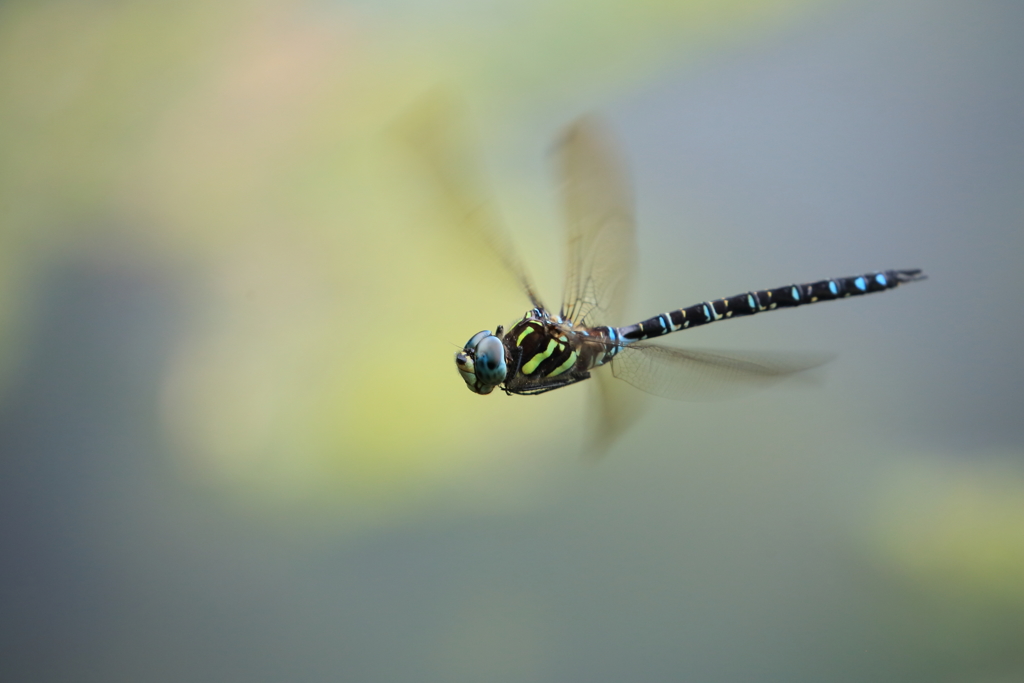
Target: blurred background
point(234, 446)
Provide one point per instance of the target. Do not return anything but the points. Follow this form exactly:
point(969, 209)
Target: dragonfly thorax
point(482, 362)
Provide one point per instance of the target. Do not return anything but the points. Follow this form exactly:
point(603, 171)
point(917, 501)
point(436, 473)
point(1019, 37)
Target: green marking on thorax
point(522, 335)
point(535, 362)
point(564, 366)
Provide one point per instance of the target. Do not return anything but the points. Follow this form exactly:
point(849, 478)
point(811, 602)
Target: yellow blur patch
point(955, 527)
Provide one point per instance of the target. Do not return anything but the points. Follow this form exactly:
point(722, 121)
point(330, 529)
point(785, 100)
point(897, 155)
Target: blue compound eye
point(476, 339)
point(482, 362)
point(490, 361)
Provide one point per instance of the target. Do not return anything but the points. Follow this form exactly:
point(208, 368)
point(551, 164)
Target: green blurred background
point(234, 446)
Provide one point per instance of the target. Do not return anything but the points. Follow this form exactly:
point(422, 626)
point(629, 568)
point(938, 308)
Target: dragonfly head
point(482, 362)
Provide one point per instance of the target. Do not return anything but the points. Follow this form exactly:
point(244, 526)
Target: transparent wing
point(437, 132)
point(614, 408)
point(598, 211)
point(691, 374)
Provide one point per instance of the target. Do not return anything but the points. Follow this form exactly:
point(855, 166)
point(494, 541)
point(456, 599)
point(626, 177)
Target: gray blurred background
point(866, 525)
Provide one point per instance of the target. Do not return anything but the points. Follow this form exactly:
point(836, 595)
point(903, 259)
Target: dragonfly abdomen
point(750, 303)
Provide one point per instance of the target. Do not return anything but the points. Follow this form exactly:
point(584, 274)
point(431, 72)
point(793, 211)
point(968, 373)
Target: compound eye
point(476, 339)
point(490, 360)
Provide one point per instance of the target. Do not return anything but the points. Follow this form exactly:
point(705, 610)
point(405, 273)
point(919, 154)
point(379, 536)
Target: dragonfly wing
point(692, 374)
point(600, 232)
point(438, 134)
point(615, 407)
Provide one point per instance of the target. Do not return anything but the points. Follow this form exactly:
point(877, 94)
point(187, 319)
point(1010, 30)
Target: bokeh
point(233, 443)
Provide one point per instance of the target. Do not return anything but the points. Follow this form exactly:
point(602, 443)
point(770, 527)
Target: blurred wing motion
point(600, 231)
point(682, 375)
point(691, 374)
point(600, 258)
point(614, 407)
point(440, 137)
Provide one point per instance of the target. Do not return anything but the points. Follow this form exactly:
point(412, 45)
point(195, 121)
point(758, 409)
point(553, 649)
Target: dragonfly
point(545, 350)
